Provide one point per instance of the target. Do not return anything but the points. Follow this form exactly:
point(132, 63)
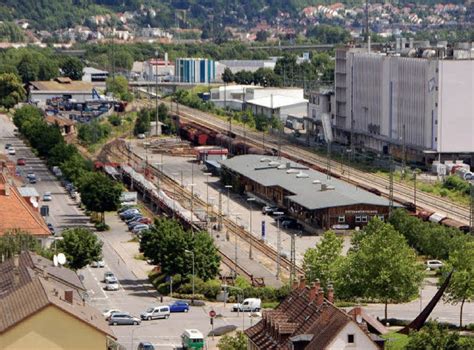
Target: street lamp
point(250, 200)
point(237, 218)
point(277, 213)
point(228, 198)
point(192, 253)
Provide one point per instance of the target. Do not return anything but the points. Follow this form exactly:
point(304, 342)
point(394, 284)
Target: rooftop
point(311, 189)
point(92, 70)
point(17, 214)
point(276, 101)
point(28, 192)
point(62, 84)
point(39, 293)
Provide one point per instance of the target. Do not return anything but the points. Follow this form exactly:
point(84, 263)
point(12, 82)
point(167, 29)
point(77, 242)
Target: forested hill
point(54, 14)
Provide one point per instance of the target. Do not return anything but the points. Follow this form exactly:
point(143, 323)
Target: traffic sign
point(212, 313)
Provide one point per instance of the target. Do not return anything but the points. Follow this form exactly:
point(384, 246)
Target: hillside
point(54, 14)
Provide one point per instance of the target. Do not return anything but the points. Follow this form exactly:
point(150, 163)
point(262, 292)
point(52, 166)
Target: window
point(350, 339)
point(358, 218)
point(341, 219)
point(364, 218)
point(381, 217)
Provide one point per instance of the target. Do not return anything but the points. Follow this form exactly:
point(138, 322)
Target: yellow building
point(40, 313)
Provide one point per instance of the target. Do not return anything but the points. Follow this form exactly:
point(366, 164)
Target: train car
point(411, 207)
point(456, 224)
point(424, 215)
point(255, 150)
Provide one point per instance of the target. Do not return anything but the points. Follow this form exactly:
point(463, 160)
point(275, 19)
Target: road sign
point(212, 313)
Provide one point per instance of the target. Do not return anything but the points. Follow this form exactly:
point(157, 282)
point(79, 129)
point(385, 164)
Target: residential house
point(41, 309)
point(66, 126)
point(308, 320)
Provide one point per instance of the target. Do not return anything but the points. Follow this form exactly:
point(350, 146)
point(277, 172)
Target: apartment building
point(419, 99)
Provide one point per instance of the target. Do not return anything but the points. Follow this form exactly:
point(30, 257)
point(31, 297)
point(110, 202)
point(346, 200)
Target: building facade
point(420, 101)
point(195, 70)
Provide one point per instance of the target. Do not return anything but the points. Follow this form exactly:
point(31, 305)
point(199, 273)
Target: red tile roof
point(299, 315)
point(17, 214)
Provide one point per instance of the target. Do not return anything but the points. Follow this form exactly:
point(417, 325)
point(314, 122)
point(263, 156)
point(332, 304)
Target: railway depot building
point(306, 194)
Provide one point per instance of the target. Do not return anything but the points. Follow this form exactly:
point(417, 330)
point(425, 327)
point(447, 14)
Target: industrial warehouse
point(312, 197)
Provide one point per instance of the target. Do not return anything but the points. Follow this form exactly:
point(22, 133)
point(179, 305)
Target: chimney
point(410, 43)
point(313, 293)
point(356, 312)
point(397, 45)
point(302, 284)
point(68, 296)
point(320, 298)
point(330, 296)
point(295, 284)
point(16, 270)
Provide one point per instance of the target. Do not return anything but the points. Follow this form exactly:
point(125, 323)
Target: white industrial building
point(41, 91)
point(421, 100)
point(280, 106)
point(91, 74)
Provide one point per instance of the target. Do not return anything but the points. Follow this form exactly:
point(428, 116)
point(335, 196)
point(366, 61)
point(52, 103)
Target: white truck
point(249, 305)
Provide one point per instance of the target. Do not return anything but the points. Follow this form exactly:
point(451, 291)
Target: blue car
point(179, 306)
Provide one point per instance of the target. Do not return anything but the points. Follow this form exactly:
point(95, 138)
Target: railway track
point(402, 192)
point(231, 227)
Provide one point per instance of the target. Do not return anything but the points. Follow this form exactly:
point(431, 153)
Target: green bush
point(457, 184)
point(189, 296)
point(102, 226)
point(115, 120)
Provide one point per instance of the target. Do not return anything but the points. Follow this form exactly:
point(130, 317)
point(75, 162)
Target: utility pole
point(471, 216)
point(250, 200)
point(277, 213)
point(219, 224)
point(390, 188)
point(293, 259)
point(328, 165)
point(366, 36)
point(156, 92)
point(404, 154)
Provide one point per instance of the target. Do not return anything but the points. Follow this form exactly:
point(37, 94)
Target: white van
point(249, 304)
point(156, 312)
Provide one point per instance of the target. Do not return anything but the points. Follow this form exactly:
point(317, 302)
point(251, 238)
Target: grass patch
point(139, 256)
point(270, 305)
point(395, 341)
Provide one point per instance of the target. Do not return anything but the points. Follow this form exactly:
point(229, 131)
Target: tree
point(227, 76)
point(328, 34)
point(243, 77)
point(118, 86)
point(324, 261)
point(28, 68)
point(25, 113)
point(14, 242)
point(142, 123)
point(236, 342)
point(266, 77)
point(11, 90)
point(61, 153)
point(163, 112)
point(48, 68)
point(166, 244)
point(99, 193)
point(461, 286)
point(81, 247)
point(382, 267)
point(72, 67)
point(434, 337)
point(262, 36)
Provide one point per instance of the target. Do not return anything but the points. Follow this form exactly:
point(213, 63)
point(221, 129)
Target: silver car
point(123, 318)
point(112, 284)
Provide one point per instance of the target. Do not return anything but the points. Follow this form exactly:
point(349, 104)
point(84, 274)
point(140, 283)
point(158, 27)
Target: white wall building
point(280, 106)
point(91, 74)
point(425, 103)
point(41, 91)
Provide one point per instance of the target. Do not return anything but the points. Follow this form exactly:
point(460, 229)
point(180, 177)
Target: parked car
point(138, 221)
point(139, 228)
point(434, 264)
point(108, 312)
point(249, 304)
point(112, 284)
point(179, 306)
point(21, 161)
point(134, 218)
point(132, 224)
point(108, 275)
point(31, 177)
point(128, 214)
point(291, 224)
point(99, 263)
point(269, 210)
point(145, 346)
point(120, 318)
point(8, 145)
point(11, 151)
point(156, 312)
point(51, 228)
point(125, 208)
point(47, 197)
point(141, 136)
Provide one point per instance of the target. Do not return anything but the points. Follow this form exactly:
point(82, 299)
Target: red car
point(21, 161)
point(146, 221)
